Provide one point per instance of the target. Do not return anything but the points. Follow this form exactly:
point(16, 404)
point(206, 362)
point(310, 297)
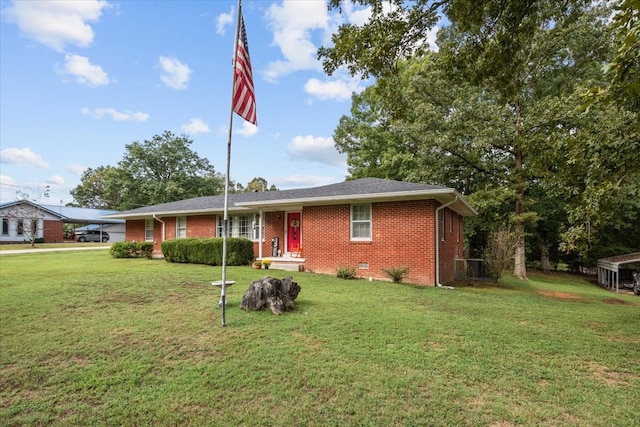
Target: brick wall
point(403, 235)
point(451, 243)
point(53, 231)
point(200, 226)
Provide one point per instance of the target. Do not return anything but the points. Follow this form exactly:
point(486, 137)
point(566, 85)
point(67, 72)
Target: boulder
point(269, 292)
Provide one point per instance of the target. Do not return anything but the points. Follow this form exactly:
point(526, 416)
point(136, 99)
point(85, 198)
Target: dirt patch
point(609, 376)
point(616, 301)
point(560, 295)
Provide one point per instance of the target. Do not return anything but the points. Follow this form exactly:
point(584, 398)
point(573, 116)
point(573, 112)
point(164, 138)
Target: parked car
point(92, 236)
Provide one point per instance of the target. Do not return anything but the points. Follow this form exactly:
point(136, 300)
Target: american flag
point(244, 100)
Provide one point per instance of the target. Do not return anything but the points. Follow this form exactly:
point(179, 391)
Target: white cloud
point(339, 89)
point(248, 129)
point(118, 116)
point(301, 181)
point(85, 72)
point(56, 23)
point(195, 126)
point(7, 180)
point(316, 149)
point(22, 157)
point(223, 21)
point(176, 74)
point(294, 23)
point(357, 16)
point(76, 169)
point(55, 180)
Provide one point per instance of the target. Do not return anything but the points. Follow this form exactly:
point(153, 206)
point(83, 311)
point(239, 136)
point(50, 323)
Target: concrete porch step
point(286, 264)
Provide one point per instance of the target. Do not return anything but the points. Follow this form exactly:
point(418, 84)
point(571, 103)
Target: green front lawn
point(90, 340)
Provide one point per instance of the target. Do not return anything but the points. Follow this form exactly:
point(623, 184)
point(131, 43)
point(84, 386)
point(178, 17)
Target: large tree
point(513, 59)
point(99, 188)
point(160, 170)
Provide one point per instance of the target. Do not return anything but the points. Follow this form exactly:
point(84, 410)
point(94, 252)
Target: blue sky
point(81, 79)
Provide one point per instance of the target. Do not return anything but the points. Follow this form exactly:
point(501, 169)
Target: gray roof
point(359, 190)
point(71, 214)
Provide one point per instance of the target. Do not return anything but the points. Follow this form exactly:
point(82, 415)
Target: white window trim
point(180, 228)
point(352, 221)
point(250, 226)
point(146, 230)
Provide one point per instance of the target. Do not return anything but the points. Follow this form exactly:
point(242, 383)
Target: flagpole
point(225, 228)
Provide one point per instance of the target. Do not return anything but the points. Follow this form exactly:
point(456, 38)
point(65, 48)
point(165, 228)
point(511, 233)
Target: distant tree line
point(163, 169)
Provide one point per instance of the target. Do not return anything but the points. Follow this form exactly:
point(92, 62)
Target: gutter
point(163, 226)
point(438, 239)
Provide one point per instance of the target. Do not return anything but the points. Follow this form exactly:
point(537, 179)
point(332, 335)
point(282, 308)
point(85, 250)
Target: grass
point(91, 340)
point(68, 244)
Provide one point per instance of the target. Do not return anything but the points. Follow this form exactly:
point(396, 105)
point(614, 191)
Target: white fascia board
point(162, 214)
point(372, 197)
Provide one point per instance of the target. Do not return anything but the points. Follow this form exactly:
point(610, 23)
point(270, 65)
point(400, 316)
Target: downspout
point(438, 239)
point(163, 226)
point(260, 214)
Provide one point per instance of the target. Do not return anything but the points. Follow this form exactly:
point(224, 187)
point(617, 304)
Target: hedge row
point(208, 251)
point(131, 249)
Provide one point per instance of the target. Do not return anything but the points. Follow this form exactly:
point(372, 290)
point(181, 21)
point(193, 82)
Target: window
point(256, 228)
point(442, 225)
point(20, 227)
point(239, 226)
point(361, 222)
point(5, 226)
point(148, 230)
point(181, 227)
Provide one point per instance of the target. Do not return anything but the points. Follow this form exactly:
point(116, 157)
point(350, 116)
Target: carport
point(611, 270)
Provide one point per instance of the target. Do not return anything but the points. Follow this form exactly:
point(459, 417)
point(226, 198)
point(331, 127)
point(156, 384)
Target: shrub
point(396, 274)
point(346, 273)
point(501, 246)
point(208, 251)
point(131, 249)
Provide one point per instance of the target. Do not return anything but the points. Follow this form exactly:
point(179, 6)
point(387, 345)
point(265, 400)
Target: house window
point(148, 230)
point(5, 226)
point(20, 227)
point(181, 227)
point(239, 226)
point(256, 228)
point(361, 222)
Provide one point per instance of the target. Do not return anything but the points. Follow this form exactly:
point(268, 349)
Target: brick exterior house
point(369, 224)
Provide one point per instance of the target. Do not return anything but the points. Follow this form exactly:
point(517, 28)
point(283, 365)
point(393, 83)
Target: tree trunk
point(544, 256)
point(520, 269)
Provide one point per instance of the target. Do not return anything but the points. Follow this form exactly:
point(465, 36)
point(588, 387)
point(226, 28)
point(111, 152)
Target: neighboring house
point(17, 216)
point(369, 224)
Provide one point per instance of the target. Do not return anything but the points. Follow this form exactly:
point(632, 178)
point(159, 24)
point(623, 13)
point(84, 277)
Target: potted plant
point(266, 263)
point(257, 265)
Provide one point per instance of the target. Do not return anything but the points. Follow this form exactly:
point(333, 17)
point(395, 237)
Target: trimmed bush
point(208, 251)
point(131, 250)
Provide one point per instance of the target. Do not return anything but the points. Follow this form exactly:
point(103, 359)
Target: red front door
point(293, 231)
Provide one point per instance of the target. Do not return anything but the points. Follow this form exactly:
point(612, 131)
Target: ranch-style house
point(369, 224)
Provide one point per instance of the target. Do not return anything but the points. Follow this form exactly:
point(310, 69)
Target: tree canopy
point(160, 170)
point(496, 112)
